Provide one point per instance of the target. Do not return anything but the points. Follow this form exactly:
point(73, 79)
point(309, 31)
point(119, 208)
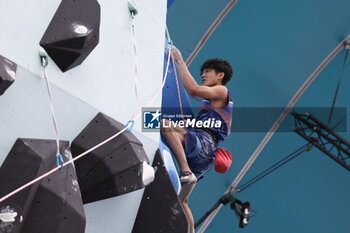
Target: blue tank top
point(208, 111)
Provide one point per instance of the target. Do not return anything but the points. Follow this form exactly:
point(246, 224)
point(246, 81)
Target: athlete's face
point(211, 78)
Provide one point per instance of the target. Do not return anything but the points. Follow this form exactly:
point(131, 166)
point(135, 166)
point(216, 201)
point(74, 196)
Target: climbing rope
point(175, 72)
point(133, 12)
point(44, 62)
point(71, 161)
point(178, 87)
point(338, 85)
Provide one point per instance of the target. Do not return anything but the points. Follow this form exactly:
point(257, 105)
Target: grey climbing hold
point(72, 33)
point(7, 73)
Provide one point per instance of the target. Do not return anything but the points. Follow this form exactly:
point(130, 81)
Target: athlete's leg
point(175, 138)
point(184, 195)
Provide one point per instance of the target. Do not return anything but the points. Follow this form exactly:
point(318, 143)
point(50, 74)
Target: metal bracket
point(322, 137)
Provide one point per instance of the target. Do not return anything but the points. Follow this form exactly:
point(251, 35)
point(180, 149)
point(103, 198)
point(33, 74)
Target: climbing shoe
point(187, 178)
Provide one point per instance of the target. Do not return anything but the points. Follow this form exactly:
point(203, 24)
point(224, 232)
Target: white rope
point(136, 62)
point(278, 122)
point(93, 148)
point(51, 106)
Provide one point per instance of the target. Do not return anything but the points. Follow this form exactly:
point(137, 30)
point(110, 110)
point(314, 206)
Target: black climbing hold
point(160, 209)
point(72, 33)
point(51, 205)
point(7, 73)
point(113, 169)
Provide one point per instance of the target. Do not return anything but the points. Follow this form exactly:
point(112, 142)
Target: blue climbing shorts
point(204, 160)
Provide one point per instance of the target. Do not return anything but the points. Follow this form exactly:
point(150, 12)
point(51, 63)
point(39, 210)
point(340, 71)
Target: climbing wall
point(99, 79)
point(7, 74)
point(160, 209)
point(55, 200)
point(105, 79)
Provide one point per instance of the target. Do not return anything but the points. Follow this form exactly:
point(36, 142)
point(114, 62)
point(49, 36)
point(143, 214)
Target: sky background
point(274, 46)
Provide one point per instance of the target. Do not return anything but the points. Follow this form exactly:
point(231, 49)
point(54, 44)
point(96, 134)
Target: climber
point(183, 142)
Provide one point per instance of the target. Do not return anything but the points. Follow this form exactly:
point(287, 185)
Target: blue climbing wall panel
point(171, 105)
point(170, 3)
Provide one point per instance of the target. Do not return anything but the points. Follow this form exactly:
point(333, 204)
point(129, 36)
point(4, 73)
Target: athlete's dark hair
point(219, 66)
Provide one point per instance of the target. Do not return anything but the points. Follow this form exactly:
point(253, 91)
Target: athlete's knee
point(162, 128)
point(185, 202)
point(165, 127)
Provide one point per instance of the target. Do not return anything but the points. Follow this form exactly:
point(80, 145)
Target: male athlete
point(216, 105)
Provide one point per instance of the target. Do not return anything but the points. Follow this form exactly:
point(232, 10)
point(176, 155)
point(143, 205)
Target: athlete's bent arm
point(213, 93)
